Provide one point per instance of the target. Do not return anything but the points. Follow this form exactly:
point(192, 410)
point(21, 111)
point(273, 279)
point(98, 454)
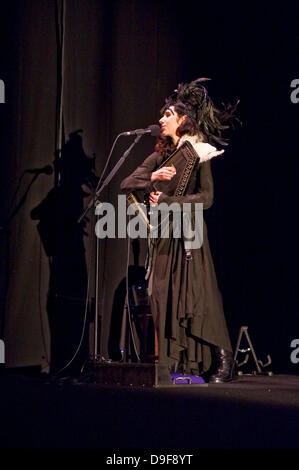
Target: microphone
point(153, 130)
point(47, 170)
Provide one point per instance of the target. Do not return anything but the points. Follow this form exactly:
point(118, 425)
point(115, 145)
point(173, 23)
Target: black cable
point(59, 26)
point(87, 301)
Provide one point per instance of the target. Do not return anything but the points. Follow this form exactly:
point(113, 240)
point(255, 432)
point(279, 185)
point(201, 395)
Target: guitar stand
point(258, 363)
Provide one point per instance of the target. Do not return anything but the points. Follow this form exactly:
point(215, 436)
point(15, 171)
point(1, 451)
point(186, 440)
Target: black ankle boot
point(225, 362)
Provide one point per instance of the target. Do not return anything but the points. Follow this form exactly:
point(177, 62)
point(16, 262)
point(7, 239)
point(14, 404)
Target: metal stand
point(259, 364)
point(93, 202)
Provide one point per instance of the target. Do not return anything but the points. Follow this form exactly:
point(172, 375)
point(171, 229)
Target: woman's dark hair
point(203, 118)
point(165, 145)
point(188, 126)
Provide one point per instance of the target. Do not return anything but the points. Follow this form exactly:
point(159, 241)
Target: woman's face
point(169, 122)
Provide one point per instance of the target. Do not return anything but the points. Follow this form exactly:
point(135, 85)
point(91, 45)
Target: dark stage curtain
point(119, 61)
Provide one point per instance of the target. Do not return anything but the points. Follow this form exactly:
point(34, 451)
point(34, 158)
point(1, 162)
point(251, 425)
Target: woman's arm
point(204, 191)
point(141, 177)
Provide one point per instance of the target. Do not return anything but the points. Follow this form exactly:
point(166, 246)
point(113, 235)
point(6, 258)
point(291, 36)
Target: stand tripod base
point(131, 374)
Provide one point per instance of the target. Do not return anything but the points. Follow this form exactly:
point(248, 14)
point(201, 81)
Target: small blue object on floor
point(178, 379)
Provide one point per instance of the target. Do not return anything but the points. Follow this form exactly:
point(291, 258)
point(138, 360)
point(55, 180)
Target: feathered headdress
point(193, 100)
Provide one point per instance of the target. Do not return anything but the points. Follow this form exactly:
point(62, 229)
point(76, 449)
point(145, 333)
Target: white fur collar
point(204, 150)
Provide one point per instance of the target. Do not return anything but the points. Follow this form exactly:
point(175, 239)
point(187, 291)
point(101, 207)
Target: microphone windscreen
point(48, 170)
point(155, 130)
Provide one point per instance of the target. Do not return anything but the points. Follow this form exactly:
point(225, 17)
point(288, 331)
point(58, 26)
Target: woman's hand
point(163, 174)
point(154, 197)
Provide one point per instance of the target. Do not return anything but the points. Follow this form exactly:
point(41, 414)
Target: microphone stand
point(94, 202)
point(23, 199)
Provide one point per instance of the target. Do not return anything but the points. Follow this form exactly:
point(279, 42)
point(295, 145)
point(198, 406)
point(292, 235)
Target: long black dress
point(185, 301)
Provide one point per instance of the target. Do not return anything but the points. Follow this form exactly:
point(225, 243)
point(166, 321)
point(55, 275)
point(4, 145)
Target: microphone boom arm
point(118, 165)
point(109, 177)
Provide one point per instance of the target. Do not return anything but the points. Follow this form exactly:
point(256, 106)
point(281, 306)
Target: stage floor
point(254, 412)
